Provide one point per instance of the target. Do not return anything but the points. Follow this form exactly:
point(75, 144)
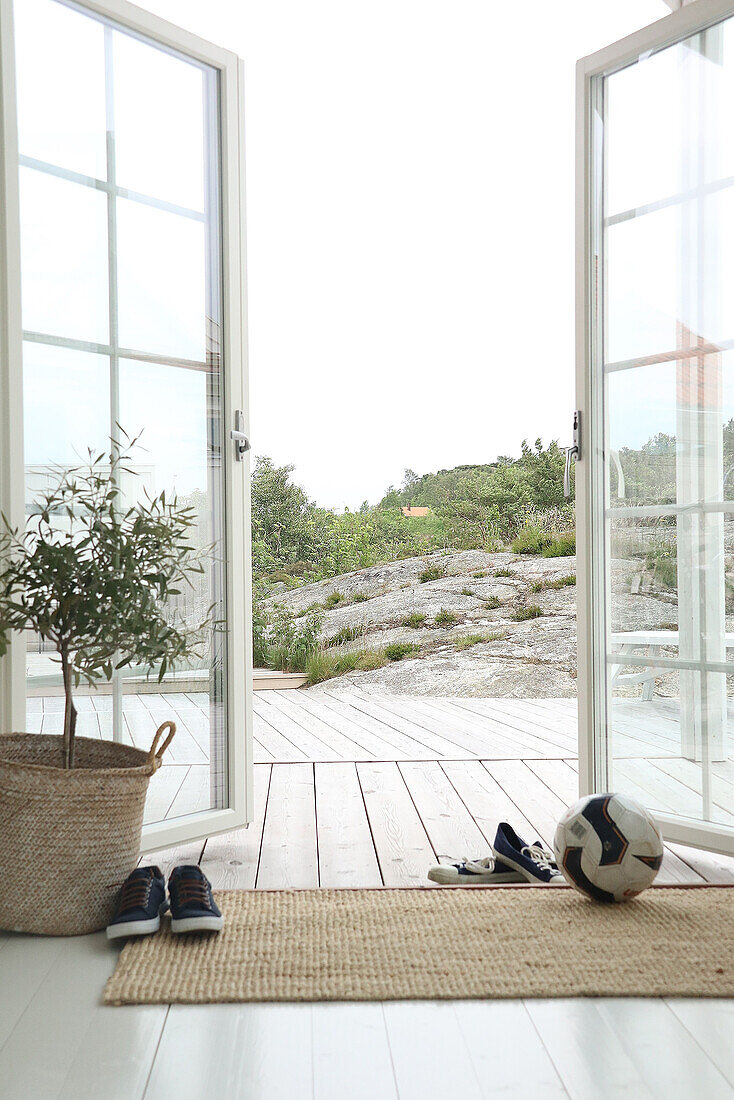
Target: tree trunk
point(69, 713)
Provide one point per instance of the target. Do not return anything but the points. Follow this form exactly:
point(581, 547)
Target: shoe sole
point(446, 878)
point(133, 928)
point(528, 876)
point(197, 924)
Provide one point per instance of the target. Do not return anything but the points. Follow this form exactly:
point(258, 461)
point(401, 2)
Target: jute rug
point(480, 942)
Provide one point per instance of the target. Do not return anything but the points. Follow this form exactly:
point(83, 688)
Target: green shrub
point(480, 575)
point(297, 568)
point(432, 573)
point(492, 602)
point(346, 634)
point(531, 539)
point(504, 573)
point(325, 664)
point(398, 650)
point(415, 621)
point(467, 592)
point(360, 597)
point(532, 611)
point(333, 600)
point(283, 640)
point(562, 547)
point(280, 576)
point(446, 618)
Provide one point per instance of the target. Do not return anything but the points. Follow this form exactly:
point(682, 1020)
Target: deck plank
point(485, 799)
point(347, 854)
point(382, 709)
point(280, 748)
point(289, 855)
point(539, 804)
point(403, 848)
point(292, 729)
point(230, 861)
point(452, 831)
point(403, 746)
point(340, 746)
point(343, 718)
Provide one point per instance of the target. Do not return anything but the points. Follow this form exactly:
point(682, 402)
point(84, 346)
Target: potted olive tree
point(94, 577)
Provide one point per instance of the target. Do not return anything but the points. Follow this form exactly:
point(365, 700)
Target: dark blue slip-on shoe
point(534, 862)
point(142, 900)
point(193, 909)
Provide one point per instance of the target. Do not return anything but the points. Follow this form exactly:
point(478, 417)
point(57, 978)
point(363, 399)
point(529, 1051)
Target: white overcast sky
point(410, 225)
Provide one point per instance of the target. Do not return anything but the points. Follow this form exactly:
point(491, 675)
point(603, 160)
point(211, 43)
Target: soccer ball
point(608, 847)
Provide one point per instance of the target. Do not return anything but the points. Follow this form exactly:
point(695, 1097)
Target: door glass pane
point(162, 292)
point(115, 275)
point(64, 273)
point(643, 110)
point(642, 281)
point(68, 394)
point(159, 124)
point(669, 429)
point(60, 87)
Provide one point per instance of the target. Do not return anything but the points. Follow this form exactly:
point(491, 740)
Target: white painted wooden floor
point(430, 780)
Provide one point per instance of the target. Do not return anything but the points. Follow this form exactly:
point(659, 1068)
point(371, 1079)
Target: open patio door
point(655, 383)
point(123, 306)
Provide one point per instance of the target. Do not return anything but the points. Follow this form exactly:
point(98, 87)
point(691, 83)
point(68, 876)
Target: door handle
point(572, 453)
point(241, 442)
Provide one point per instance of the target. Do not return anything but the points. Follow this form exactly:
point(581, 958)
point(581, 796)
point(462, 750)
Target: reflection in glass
point(669, 426)
point(137, 275)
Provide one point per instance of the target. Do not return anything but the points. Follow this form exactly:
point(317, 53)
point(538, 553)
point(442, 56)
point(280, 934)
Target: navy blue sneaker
point(142, 900)
point(474, 872)
point(534, 862)
point(193, 909)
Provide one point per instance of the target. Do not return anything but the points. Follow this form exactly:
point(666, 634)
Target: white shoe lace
point(479, 866)
point(541, 858)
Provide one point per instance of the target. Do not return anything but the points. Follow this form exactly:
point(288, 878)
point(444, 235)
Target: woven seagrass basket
point(69, 837)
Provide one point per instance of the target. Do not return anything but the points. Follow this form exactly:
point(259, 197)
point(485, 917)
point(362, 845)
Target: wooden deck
point(363, 788)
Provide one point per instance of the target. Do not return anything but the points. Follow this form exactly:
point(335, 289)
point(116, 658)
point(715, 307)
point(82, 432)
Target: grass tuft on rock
point(398, 650)
point(415, 621)
point(446, 618)
point(470, 640)
point(346, 634)
point(558, 583)
point(532, 611)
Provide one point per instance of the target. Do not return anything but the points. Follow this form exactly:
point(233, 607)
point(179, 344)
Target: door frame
point(237, 549)
point(594, 770)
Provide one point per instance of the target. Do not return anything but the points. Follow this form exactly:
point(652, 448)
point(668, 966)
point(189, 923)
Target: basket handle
point(154, 757)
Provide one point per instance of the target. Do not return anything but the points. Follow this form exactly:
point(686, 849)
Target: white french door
point(655, 383)
point(122, 309)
